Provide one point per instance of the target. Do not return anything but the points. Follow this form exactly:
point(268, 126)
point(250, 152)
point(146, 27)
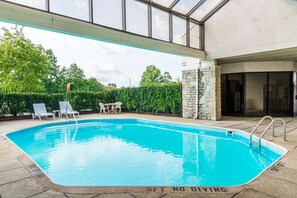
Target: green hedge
point(163, 99)
point(19, 103)
point(88, 100)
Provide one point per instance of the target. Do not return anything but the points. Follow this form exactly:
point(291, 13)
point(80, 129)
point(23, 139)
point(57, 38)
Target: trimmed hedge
point(88, 100)
point(19, 103)
point(156, 100)
point(163, 99)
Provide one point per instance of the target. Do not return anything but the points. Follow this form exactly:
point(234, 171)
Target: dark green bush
point(19, 103)
point(88, 100)
point(163, 99)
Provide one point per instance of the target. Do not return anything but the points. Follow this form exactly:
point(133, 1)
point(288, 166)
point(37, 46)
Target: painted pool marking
point(278, 166)
point(188, 189)
point(36, 171)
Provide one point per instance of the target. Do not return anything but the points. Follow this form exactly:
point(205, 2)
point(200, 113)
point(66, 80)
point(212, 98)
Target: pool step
point(255, 145)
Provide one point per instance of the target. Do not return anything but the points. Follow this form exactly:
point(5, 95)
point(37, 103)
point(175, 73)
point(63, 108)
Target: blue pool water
point(132, 152)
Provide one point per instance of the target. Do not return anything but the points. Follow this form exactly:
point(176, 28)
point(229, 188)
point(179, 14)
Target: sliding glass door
point(232, 94)
point(255, 87)
point(257, 94)
point(280, 94)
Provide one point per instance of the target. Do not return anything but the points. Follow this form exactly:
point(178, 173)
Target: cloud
point(92, 67)
point(106, 73)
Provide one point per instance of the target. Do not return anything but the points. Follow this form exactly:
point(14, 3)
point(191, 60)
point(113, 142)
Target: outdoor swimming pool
point(134, 152)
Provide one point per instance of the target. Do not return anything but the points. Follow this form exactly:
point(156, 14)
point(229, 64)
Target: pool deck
point(20, 177)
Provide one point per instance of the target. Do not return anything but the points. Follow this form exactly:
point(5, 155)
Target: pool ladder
point(256, 144)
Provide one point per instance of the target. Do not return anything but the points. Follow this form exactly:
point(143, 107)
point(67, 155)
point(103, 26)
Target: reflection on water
point(127, 152)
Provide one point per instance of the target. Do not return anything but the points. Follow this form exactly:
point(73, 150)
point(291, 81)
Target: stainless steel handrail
point(72, 114)
point(254, 130)
point(272, 123)
point(268, 127)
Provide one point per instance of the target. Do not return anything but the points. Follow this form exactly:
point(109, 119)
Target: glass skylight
point(204, 9)
point(184, 6)
point(165, 3)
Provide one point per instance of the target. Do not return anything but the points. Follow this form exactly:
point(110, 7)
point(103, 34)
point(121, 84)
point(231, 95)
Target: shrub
point(88, 100)
point(161, 99)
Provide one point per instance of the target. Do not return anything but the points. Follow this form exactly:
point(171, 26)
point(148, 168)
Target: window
point(74, 8)
point(137, 17)
point(160, 24)
point(179, 27)
point(40, 4)
point(108, 13)
point(194, 35)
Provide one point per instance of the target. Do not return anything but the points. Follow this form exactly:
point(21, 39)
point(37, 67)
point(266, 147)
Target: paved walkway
point(19, 177)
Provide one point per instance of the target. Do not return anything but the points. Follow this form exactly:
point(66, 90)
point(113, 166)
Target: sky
point(109, 63)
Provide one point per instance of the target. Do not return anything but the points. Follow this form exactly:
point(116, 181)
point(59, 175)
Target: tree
point(75, 75)
point(166, 78)
point(22, 63)
point(112, 85)
point(27, 66)
point(62, 78)
point(152, 77)
point(94, 85)
point(52, 82)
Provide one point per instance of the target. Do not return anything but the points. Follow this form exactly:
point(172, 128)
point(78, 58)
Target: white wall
point(250, 26)
point(269, 66)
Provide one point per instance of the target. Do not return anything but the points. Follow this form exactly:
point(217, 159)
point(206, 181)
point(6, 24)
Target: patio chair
point(40, 111)
point(66, 109)
point(103, 108)
point(117, 107)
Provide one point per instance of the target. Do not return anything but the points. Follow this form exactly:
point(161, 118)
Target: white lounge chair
point(66, 108)
point(117, 107)
point(103, 108)
point(40, 111)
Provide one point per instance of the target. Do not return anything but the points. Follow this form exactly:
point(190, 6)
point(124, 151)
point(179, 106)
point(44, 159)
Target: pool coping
point(42, 178)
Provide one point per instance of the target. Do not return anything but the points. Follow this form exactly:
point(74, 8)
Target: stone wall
point(209, 89)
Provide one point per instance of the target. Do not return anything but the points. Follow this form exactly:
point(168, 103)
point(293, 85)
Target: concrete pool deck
point(20, 177)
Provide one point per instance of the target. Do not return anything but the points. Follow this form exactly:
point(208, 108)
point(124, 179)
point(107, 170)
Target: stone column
point(209, 89)
point(189, 93)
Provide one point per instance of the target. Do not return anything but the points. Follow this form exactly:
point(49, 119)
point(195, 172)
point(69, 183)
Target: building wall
point(268, 66)
point(249, 26)
point(240, 27)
